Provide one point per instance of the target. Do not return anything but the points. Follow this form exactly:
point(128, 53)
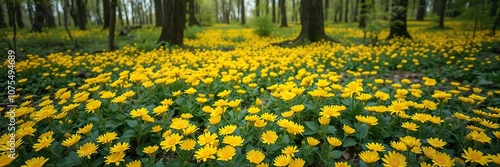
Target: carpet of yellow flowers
point(321, 104)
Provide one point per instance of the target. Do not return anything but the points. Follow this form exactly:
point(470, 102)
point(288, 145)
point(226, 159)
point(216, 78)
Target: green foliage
point(263, 26)
point(207, 16)
point(191, 32)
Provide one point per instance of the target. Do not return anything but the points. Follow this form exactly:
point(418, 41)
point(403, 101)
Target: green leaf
point(129, 133)
point(159, 163)
point(132, 123)
point(238, 160)
point(362, 131)
point(349, 142)
point(71, 160)
point(97, 162)
point(312, 125)
point(57, 148)
point(335, 154)
point(331, 129)
point(184, 109)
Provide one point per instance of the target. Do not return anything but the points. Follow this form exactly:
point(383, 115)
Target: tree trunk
point(312, 23)
point(112, 23)
point(98, 13)
point(421, 10)
point(58, 14)
point(267, 7)
point(140, 14)
point(120, 14)
point(327, 6)
point(3, 24)
point(435, 6)
point(81, 14)
point(355, 18)
point(173, 25)
point(441, 13)
point(11, 9)
point(294, 12)
point(106, 9)
point(257, 6)
point(495, 24)
point(132, 12)
point(30, 11)
point(493, 8)
point(126, 14)
point(242, 12)
point(282, 5)
point(65, 18)
point(192, 17)
point(346, 19)
point(159, 13)
point(51, 21)
point(42, 15)
point(150, 13)
point(339, 9)
point(363, 14)
point(273, 5)
point(398, 20)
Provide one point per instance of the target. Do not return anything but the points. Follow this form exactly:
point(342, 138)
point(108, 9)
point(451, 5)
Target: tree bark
point(363, 14)
point(150, 13)
point(355, 18)
point(65, 18)
point(442, 11)
point(325, 11)
point(257, 6)
point(173, 25)
point(495, 24)
point(58, 14)
point(192, 17)
point(11, 13)
point(398, 20)
point(120, 14)
point(294, 12)
point(493, 8)
point(267, 7)
point(126, 14)
point(242, 12)
point(42, 16)
point(3, 24)
point(421, 10)
point(106, 9)
point(312, 23)
point(339, 9)
point(273, 5)
point(51, 21)
point(81, 14)
point(112, 23)
point(282, 5)
point(30, 11)
point(346, 19)
point(98, 13)
point(159, 13)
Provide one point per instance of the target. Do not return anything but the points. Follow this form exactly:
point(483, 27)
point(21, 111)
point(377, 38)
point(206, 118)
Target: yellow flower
point(226, 153)
point(156, 129)
point(495, 159)
point(86, 150)
point(287, 95)
point(410, 141)
point(139, 112)
point(150, 149)
point(382, 95)
point(115, 158)
point(332, 111)
point(107, 94)
point(436, 142)
point(370, 120)
point(228, 129)
point(397, 107)
point(324, 120)
point(75, 138)
point(255, 156)
point(268, 117)
point(282, 160)
point(43, 142)
point(269, 137)
point(5, 160)
point(253, 110)
point(342, 164)
point(353, 87)
point(399, 146)
point(107, 137)
point(442, 159)
point(188, 144)
point(233, 140)
point(479, 137)
point(224, 93)
point(35, 162)
point(208, 138)
point(410, 126)
point(430, 105)
point(205, 153)
point(190, 91)
point(347, 129)
point(394, 159)
point(298, 108)
point(135, 163)
point(201, 99)
point(290, 150)
point(333, 141)
point(369, 156)
point(119, 147)
point(297, 162)
point(170, 142)
point(375, 147)
point(92, 105)
point(364, 96)
point(85, 129)
point(179, 123)
point(312, 141)
point(234, 103)
point(119, 99)
point(475, 156)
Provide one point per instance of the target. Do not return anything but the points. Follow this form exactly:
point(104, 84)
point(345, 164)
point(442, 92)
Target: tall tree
point(98, 13)
point(327, 6)
point(120, 13)
point(346, 17)
point(81, 14)
point(312, 23)
point(267, 7)
point(173, 25)
point(257, 6)
point(58, 14)
point(3, 24)
point(242, 12)
point(126, 14)
point(363, 13)
point(15, 12)
point(398, 20)
point(284, 22)
point(339, 9)
point(51, 21)
point(273, 6)
point(192, 17)
point(42, 16)
point(294, 12)
point(355, 14)
point(421, 10)
point(442, 11)
point(29, 3)
point(65, 18)
point(112, 23)
point(107, 13)
point(159, 13)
